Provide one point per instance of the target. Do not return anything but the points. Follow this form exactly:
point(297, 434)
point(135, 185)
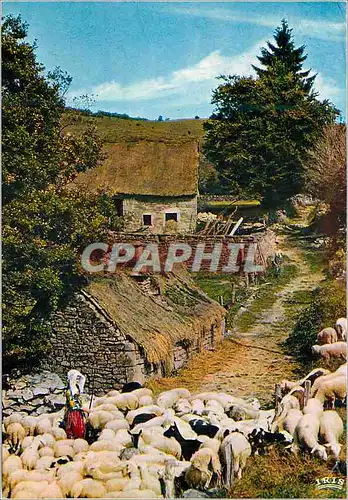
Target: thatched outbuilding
point(121, 329)
point(154, 184)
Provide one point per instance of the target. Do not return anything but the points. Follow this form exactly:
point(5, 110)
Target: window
point(147, 220)
point(171, 216)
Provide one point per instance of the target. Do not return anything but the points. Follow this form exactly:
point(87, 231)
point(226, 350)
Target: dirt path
point(253, 371)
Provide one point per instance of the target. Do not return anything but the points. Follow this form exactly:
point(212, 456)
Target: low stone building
point(154, 184)
point(131, 328)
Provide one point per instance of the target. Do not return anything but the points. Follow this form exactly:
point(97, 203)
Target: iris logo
point(330, 483)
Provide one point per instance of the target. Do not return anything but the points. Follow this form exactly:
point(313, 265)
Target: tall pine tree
point(284, 52)
point(262, 128)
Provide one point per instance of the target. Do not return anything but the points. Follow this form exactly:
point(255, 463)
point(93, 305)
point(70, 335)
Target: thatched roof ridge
point(155, 325)
point(145, 168)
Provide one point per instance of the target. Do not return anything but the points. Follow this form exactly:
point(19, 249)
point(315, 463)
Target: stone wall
point(265, 248)
point(84, 338)
point(186, 207)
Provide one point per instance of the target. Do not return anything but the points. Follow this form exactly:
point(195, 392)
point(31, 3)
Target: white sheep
point(58, 433)
point(167, 399)
point(21, 475)
point(88, 488)
point(287, 403)
point(342, 370)
point(155, 409)
point(182, 406)
point(29, 424)
point(162, 443)
point(306, 434)
point(199, 475)
point(44, 462)
point(98, 419)
point(341, 327)
point(291, 420)
point(313, 375)
point(313, 406)
point(30, 455)
point(235, 450)
point(47, 440)
point(43, 426)
point(29, 489)
point(16, 434)
point(27, 441)
point(146, 400)
point(117, 424)
point(61, 449)
point(52, 490)
point(46, 451)
point(197, 406)
point(327, 336)
point(330, 431)
point(80, 445)
point(126, 401)
point(338, 350)
point(67, 481)
point(332, 389)
point(5, 452)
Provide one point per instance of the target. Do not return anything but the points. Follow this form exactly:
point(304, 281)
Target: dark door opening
point(119, 206)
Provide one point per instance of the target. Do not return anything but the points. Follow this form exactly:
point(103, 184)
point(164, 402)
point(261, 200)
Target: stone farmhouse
point(154, 184)
point(121, 329)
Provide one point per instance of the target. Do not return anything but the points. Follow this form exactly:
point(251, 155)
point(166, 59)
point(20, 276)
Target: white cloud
point(321, 29)
point(192, 85)
point(327, 87)
point(178, 82)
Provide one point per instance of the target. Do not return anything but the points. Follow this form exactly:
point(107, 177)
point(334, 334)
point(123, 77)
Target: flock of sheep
point(139, 446)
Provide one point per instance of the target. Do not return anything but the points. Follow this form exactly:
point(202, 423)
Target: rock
point(55, 402)
point(42, 409)
point(27, 394)
point(195, 494)
point(14, 394)
point(37, 402)
point(41, 390)
point(21, 384)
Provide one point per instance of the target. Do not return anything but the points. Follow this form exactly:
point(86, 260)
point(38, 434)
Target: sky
point(151, 59)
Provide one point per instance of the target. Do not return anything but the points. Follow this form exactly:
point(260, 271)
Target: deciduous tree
point(45, 225)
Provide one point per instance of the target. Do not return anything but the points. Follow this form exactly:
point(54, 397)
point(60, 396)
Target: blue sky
point(147, 59)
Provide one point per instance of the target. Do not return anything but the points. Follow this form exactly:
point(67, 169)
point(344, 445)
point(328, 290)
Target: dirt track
point(252, 371)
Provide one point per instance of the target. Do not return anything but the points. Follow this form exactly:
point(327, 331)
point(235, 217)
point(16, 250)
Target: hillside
point(116, 130)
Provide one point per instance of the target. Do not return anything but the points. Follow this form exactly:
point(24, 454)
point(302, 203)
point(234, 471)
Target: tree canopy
point(262, 127)
point(45, 225)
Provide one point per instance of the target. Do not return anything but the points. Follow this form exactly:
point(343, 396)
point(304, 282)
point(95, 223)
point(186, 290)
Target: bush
point(329, 304)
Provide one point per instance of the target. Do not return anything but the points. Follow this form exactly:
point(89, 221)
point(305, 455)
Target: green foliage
point(328, 304)
point(259, 135)
point(208, 177)
point(46, 223)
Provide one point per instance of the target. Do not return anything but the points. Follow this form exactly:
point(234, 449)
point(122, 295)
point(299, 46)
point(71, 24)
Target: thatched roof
point(181, 313)
point(145, 168)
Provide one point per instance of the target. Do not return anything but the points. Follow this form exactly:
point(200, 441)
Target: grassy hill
point(115, 130)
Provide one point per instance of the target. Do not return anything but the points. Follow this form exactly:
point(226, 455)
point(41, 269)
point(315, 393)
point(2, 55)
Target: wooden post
point(247, 280)
point(277, 397)
point(221, 300)
point(307, 390)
